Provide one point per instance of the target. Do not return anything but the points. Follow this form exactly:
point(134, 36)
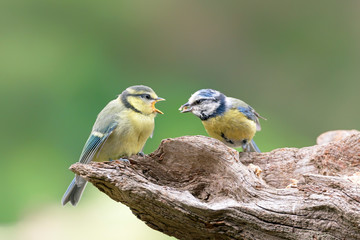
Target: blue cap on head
point(207, 92)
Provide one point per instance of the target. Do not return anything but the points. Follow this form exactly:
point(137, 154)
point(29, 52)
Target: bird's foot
point(124, 160)
point(246, 146)
point(141, 154)
point(120, 159)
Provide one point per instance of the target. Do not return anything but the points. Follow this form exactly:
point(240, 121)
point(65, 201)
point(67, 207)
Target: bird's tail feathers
point(74, 191)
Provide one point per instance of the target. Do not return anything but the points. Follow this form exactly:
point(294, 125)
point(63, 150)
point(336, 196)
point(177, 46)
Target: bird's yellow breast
point(128, 138)
point(233, 125)
point(142, 127)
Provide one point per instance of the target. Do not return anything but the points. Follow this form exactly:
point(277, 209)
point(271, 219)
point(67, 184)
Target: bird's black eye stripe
point(147, 96)
point(198, 101)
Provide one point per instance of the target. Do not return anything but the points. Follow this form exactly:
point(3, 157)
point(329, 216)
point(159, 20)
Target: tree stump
point(195, 187)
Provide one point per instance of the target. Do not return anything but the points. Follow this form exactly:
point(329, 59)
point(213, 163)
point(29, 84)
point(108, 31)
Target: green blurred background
point(297, 64)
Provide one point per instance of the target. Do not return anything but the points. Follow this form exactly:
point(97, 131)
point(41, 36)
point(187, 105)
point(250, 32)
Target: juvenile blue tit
point(120, 130)
point(227, 119)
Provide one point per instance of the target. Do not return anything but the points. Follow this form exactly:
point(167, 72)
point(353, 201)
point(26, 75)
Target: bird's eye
point(147, 96)
point(199, 101)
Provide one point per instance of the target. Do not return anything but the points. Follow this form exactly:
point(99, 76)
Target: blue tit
point(120, 130)
point(227, 119)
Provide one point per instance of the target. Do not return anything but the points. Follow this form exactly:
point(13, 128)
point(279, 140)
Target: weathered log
point(195, 187)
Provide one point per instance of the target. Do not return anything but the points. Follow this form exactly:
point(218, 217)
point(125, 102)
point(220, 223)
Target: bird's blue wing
point(95, 140)
point(250, 113)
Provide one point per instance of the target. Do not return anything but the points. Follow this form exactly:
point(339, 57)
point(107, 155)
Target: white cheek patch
point(205, 109)
point(210, 108)
point(196, 111)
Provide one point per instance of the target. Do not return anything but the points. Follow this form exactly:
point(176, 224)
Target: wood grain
point(195, 187)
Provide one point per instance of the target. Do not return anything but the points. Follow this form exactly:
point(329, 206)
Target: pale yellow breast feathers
point(129, 137)
point(143, 126)
point(139, 127)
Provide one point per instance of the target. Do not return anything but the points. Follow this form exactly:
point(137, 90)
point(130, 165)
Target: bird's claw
point(123, 160)
point(141, 154)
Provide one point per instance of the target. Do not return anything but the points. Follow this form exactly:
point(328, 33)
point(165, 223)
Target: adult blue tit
point(120, 130)
point(227, 119)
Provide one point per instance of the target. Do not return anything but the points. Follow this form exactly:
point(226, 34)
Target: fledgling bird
point(120, 130)
point(227, 119)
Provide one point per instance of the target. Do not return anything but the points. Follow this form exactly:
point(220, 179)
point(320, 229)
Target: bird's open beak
point(185, 108)
point(153, 105)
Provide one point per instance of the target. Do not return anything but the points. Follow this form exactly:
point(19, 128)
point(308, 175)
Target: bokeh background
point(296, 63)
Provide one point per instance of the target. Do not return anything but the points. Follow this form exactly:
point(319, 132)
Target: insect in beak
point(185, 108)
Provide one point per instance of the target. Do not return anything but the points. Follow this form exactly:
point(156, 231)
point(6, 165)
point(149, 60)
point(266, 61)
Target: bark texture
point(194, 187)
